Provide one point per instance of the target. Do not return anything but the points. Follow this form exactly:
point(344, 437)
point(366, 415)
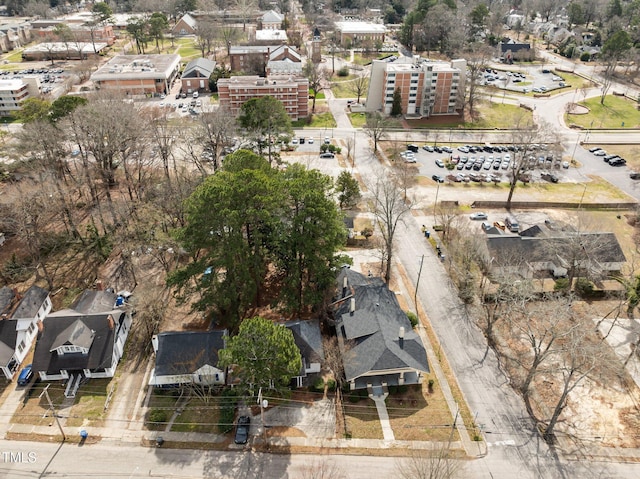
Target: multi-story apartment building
point(14, 92)
point(292, 92)
point(426, 88)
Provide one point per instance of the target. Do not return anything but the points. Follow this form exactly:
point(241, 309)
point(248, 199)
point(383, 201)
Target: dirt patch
point(282, 431)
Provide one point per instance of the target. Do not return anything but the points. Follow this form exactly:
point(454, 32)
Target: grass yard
point(35, 410)
point(88, 409)
point(362, 419)
point(186, 48)
point(318, 120)
point(631, 153)
point(492, 115)
point(358, 120)
point(617, 112)
point(198, 416)
point(417, 415)
point(344, 89)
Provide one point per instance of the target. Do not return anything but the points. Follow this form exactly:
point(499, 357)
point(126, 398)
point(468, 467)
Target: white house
point(187, 357)
point(19, 329)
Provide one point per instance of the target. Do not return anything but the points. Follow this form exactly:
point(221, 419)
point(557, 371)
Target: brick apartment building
point(292, 92)
point(426, 88)
point(13, 93)
point(138, 74)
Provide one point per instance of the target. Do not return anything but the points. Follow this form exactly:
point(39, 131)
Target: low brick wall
point(524, 205)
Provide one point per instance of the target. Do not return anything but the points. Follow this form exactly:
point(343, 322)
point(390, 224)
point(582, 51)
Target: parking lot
point(536, 79)
point(487, 163)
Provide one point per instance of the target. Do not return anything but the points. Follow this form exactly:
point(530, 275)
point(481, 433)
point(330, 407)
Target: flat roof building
point(355, 34)
point(15, 91)
point(426, 88)
point(138, 74)
point(293, 93)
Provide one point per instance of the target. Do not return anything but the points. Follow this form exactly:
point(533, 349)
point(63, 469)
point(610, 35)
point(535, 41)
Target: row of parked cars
point(613, 160)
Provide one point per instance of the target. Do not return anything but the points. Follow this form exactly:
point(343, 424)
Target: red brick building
point(293, 93)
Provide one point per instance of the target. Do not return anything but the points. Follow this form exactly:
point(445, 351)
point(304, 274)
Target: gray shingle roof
point(184, 352)
point(31, 303)
point(204, 66)
point(272, 17)
point(76, 334)
point(308, 338)
point(372, 331)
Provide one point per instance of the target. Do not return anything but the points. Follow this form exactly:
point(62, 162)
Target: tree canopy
point(266, 118)
point(261, 354)
point(250, 227)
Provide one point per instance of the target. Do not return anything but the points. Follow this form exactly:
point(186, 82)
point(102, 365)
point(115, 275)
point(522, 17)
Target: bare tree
point(582, 357)
point(316, 76)
point(323, 468)
point(389, 208)
point(376, 128)
point(245, 7)
point(477, 60)
point(228, 34)
point(359, 86)
point(205, 35)
point(435, 463)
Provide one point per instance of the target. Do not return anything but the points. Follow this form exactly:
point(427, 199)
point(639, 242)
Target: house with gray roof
point(188, 357)
point(195, 76)
point(271, 20)
point(378, 345)
point(79, 344)
point(308, 338)
point(284, 60)
point(540, 251)
point(18, 329)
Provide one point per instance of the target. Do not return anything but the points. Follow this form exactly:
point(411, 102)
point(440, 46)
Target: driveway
point(316, 419)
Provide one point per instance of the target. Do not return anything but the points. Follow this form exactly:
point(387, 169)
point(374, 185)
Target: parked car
point(437, 178)
point(310, 141)
point(25, 375)
point(618, 162)
point(485, 226)
point(600, 153)
point(549, 177)
point(634, 175)
point(410, 159)
point(565, 165)
point(326, 140)
point(478, 216)
point(608, 158)
point(440, 163)
point(594, 149)
point(327, 154)
point(294, 141)
point(242, 430)
point(302, 140)
point(428, 148)
point(500, 225)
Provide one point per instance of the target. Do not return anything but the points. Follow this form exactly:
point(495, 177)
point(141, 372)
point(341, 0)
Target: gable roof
point(290, 52)
point(272, 17)
point(31, 303)
point(76, 334)
point(373, 329)
point(55, 328)
point(189, 20)
point(91, 302)
point(7, 296)
point(204, 66)
point(512, 249)
point(308, 338)
point(184, 352)
point(8, 336)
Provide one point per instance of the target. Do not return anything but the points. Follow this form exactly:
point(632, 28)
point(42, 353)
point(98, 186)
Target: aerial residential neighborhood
point(311, 240)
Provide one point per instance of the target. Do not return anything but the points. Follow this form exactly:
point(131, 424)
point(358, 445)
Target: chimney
point(40, 325)
point(112, 324)
point(352, 307)
point(401, 337)
point(344, 286)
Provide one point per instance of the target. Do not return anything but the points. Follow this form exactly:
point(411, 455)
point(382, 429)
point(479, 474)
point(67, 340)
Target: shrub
point(413, 319)
point(344, 71)
point(354, 398)
point(402, 389)
point(393, 389)
point(227, 411)
point(331, 385)
point(561, 284)
point(430, 386)
point(584, 287)
point(318, 385)
point(585, 57)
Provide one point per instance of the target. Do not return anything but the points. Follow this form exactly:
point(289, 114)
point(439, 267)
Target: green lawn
point(318, 120)
point(492, 115)
point(187, 49)
point(343, 89)
point(319, 96)
point(617, 112)
point(358, 120)
point(360, 59)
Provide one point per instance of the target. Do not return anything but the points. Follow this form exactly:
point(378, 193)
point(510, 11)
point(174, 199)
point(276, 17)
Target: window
point(31, 327)
point(21, 346)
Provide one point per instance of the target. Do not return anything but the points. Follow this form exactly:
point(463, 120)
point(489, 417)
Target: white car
point(310, 141)
point(600, 153)
point(294, 141)
point(478, 216)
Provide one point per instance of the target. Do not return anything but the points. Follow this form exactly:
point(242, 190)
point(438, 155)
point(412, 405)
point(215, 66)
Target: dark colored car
point(634, 176)
point(242, 430)
point(327, 154)
point(25, 375)
point(618, 162)
point(437, 178)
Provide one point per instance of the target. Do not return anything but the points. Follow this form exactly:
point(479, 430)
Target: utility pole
point(415, 293)
point(453, 426)
point(263, 403)
point(55, 415)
